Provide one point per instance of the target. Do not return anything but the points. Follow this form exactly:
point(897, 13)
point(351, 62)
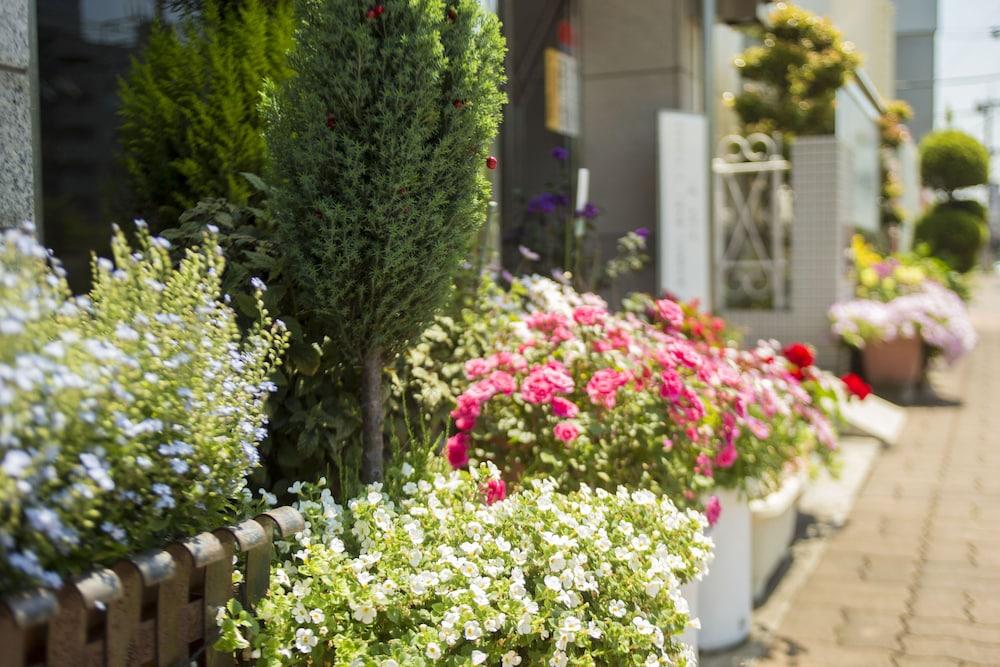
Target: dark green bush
point(953, 234)
point(950, 160)
point(379, 149)
point(190, 119)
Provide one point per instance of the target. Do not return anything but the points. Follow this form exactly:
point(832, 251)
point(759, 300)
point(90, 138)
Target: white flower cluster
point(442, 578)
point(126, 417)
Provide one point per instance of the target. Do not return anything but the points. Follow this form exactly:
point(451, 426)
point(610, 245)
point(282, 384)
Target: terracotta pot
point(896, 362)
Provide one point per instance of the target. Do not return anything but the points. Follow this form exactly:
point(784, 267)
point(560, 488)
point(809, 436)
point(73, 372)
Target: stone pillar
point(18, 112)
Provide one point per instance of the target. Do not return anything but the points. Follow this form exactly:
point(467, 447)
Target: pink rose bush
point(588, 396)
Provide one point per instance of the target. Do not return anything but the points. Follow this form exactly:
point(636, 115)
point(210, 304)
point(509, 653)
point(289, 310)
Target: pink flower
point(672, 384)
point(481, 391)
point(560, 334)
point(564, 408)
point(603, 387)
point(566, 431)
point(713, 508)
point(503, 382)
point(546, 322)
point(727, 457)
point(588, 315)
point(544, 382)
point(495, 490)
point(476, 367)
point(457, 450)
point(670, 312)
point(703, 466)
point(466, 413)
point(668, 444)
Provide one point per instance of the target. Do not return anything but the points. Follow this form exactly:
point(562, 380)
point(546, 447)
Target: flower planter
point(773, 528)
point(157, 608)
point(896, 362)
point(725, 598)
point(689, 592)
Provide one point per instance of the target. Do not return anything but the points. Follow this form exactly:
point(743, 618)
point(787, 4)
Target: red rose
point(491, 162)
point(856, 386)
point(800, 354)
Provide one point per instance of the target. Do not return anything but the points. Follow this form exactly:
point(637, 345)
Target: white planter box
point(725, 599)
point(690, 593)
point(774, 520)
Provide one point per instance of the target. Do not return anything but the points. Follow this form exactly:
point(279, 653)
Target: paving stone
point(870, 628)
point(949, 647)
point(940, 603)
point(943, 627)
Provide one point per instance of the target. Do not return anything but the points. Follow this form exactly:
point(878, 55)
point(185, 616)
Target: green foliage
point(794, 74)
point(952, 233)
point(379, 183)
point(190, 118)
point(951, 159)
point(378, 146)
point(130, 416)
point(449, 574)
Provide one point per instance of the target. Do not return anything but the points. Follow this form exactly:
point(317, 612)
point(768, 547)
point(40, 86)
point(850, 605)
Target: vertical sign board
point(683, 251)
point(562, 93)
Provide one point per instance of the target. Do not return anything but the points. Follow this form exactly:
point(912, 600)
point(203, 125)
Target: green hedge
point(954, 232)
point(950, 160)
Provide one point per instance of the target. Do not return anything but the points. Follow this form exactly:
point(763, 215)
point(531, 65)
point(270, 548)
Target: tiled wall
point(821, 177)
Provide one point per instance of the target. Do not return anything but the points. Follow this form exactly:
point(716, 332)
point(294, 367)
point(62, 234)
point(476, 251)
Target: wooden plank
point(67, 630)
point(259, 564)
point(171, 600)
point(13, 639)
point(218, 591)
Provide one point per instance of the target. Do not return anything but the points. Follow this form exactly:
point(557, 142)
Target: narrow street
point(913, 578)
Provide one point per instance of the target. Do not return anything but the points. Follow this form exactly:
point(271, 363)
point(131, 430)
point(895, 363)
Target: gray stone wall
point(17, 159)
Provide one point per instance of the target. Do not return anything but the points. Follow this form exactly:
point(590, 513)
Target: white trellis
point(752, 221)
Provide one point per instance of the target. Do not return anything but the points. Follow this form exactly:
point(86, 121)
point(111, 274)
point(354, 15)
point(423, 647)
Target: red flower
point(856, 386)
point(491, 162)
point(800, 354)
point(458, 104)
point(330, 120)
point(495, 490)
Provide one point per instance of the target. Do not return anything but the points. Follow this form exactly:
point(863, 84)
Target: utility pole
point(986, 108)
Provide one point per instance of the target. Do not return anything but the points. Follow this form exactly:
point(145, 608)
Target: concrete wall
point(638, 56)
point(916, 61)
point(17, 159)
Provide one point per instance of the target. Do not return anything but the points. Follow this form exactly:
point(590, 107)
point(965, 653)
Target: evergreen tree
point(378, 146)
point(190, 105)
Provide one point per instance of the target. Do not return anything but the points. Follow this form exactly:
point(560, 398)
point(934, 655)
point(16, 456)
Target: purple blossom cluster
point(934, 313)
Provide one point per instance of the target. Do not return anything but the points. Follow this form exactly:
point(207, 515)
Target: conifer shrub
point(190, 119)
point(379, 147)
point(951, 160)
point(954, 233)
point(793, 74)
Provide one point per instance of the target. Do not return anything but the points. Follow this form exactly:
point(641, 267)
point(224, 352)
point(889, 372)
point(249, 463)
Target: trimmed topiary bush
point(793, 76)
point(379, 147)
point(953, 233)
point(951, 160)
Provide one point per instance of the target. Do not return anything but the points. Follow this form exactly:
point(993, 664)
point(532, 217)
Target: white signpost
point(684, 247)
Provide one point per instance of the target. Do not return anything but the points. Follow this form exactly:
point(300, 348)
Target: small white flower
point(305, 640)
point(433, 651)
point(617, 608)
point(510, 659)
point(478, 657)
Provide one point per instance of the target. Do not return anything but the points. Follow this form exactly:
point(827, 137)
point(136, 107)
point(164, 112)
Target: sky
point(968, 64)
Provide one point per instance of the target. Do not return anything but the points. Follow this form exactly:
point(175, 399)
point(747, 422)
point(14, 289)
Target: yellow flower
point(868, 277)
point(910, 275)
point(888, 284)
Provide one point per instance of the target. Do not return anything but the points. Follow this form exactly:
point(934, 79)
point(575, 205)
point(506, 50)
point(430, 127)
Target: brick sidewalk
point(913, 578)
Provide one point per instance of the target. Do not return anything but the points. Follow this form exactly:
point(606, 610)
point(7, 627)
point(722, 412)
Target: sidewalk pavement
point(912, 579)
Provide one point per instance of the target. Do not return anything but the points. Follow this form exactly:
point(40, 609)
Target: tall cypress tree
point(379, 146)
point(190, 118)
